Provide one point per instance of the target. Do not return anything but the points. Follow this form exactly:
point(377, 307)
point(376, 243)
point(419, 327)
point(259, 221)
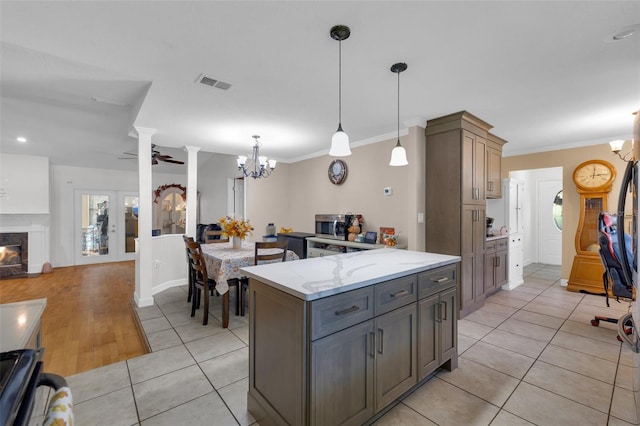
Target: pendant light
point(399, 154)
point(340, 140)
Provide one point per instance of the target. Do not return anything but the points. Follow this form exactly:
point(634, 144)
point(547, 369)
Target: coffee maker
point(489, 226)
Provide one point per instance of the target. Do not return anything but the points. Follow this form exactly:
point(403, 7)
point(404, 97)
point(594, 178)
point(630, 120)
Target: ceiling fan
point(156, 156)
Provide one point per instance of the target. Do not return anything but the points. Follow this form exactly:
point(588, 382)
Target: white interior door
point(105, 226)
point(549, 230)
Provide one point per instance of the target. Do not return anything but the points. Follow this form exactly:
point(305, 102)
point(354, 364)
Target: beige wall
point(569, 159)
point(296, 192)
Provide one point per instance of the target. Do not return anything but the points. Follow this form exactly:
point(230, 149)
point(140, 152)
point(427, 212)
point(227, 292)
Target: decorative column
point(144, 254)
point(192, 190)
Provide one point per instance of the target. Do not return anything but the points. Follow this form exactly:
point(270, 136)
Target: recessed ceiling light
point(21, 139)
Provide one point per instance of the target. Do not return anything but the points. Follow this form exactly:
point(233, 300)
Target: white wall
point(24, 184)
point(212, 186)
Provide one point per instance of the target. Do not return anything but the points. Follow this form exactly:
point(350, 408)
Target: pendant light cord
point(340, 84)
point(398, 107)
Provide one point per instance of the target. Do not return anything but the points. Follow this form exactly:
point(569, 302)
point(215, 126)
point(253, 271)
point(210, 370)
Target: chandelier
point(259, 166)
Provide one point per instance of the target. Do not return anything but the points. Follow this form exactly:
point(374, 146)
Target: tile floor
point(529, 356)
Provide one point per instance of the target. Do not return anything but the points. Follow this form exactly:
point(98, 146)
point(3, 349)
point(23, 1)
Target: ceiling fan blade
point(130, 153)
point(154, 161)
point(127, 158)
point(172, 161)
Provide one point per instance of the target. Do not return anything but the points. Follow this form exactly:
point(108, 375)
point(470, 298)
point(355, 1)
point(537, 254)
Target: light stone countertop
point(318, 277)
point(18, 321)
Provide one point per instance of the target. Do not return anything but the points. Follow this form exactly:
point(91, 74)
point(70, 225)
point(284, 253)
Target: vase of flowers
point(236, 229)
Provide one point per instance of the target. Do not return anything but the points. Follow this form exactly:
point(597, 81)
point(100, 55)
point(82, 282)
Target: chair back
point(197, 261)
point(214, 237)
point(610, 256)
point(280, 253)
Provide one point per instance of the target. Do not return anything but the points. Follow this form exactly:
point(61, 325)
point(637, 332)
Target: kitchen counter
point(20, 324)
point(497, 237)
point(319, 277)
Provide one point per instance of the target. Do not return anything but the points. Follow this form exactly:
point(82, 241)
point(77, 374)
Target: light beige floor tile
point(445, 404)
point(155, 324)
point(540, 283)
point(163, 339)
point(213, 346)
point(496, 308)
point(500, 299)
point(576, 387)
point(584, 317)
point(228, 368)
point(505, 361)
point(610, 352)
point(99, 381)
point(516, 343)
point(171, 390)
point(242, 333)
point(464, 343)
point(628, 357)
point(624, 377)
point(559, 292)
point(170, 295)
point(623, 406)
point(115, 408)
point(522, 328)
point(524, 288)
point(544, 309)
point(149, 312)
point(505, 418)
point(578, 362)
point(481, 381)
point(486, 318)
point(539, 319)
point(235, 396)
point(617, 422)
point(152, 365)
point(514, 295)
point(472, 329)
point(401, 415)
point(171, 308)
point(558, 303)
point(195, 330)
point(204, 411)
point(542, 407)
point(585, 329)
point(182, 318)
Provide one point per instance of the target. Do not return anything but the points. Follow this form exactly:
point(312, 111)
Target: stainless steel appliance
point(334, 226)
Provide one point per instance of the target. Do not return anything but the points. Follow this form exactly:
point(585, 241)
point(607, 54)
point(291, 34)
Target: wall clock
point(594, 175)
point(337, 172)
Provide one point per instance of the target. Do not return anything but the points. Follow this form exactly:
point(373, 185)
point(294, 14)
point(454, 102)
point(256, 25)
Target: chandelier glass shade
point(340, 140)
point(258, 166)
point(399, 154)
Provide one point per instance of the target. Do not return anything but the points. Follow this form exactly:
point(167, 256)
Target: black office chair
point(610, 255)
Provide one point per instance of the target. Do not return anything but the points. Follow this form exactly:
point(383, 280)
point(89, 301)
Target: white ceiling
point(77, 75)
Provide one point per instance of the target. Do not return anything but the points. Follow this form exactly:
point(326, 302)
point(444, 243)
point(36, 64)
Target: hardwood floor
point(88, 321)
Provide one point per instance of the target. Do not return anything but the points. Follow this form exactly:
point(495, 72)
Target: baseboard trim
point(139, 329)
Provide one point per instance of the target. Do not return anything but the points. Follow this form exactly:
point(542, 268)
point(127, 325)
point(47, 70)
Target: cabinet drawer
point(436, 280)
point(490, 246)
point(502, 244)
point(393, 294)
point(338, 312)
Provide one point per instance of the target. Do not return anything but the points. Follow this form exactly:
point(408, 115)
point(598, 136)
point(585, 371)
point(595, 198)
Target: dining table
point(224, 262)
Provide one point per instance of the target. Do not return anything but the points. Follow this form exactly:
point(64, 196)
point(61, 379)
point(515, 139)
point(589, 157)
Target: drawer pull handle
point(381, 350)
point(400, 293)
point(440, 280)
point(445, 311)
point(372, 344)
point(348, 310)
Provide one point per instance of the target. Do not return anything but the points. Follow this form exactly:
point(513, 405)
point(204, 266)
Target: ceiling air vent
point(208, 81)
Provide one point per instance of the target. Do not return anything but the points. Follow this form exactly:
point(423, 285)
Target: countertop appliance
point(334, 226)
point(297, 242)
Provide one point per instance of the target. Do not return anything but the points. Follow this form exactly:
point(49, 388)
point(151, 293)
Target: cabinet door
point(473, 168)
point(494, 166)
point(396, 354)
point(428, 341)
point(448, 342)
point(502, 268)
point(490, 271)
point(342, 367)
point(473, 240)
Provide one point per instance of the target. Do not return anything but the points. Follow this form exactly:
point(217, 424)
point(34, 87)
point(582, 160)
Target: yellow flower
point(235, 227)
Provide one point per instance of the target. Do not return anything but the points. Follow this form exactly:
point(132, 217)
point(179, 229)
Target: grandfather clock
point(593, 181)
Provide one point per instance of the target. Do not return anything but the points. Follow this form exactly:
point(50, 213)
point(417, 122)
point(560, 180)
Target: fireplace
point(14, 254)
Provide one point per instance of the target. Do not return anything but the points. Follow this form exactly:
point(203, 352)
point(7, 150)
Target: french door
point(106, 225)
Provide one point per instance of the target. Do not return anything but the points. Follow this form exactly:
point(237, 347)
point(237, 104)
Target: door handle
point(445, 311)
point(372, 344)
point(438, 313)
point(381, 350)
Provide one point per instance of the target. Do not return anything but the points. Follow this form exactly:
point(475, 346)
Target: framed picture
point(371, 237)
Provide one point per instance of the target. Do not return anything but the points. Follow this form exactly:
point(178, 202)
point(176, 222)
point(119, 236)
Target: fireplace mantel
point(37, 228)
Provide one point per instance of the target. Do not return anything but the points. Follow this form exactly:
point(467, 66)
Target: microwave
point(334, 226)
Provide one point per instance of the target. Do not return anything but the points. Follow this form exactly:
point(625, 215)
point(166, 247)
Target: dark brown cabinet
point(496, 267)
point(463, 162)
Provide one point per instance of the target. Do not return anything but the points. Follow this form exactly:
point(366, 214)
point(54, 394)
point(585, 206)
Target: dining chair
point(189, 268)
point(212, 237)
point(263, 252)
point(203, 285)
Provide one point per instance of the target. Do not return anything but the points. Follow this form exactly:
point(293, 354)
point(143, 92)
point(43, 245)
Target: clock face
point(337, 172)
point(594, 174)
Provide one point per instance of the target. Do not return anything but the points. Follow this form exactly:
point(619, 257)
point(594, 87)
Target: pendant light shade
point(340, 140)
point(399, 154)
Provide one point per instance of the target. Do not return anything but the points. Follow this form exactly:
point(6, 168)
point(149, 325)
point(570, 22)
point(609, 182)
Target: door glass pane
point(557, 211)
point(95, 225)
point(130, 222)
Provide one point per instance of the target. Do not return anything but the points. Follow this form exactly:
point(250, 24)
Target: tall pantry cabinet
point(456, 190)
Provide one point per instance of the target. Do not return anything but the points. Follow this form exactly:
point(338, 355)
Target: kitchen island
point(339, 339)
